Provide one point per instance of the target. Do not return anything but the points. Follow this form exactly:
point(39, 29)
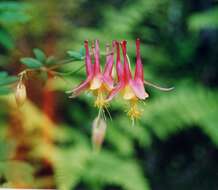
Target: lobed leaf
point(75, 55)
point(31, 62)
point(39, 54)
point(5, 90)
point(7, 80)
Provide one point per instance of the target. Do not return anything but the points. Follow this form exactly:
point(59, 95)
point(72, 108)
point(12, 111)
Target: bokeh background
point(47, 142)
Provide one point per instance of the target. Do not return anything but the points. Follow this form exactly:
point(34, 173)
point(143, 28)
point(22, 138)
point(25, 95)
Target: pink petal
point(80, 88)
point(119, 67)
point(127, 73)
point(108, 80)
point(139, 67)
point(89, 67)
point(138, 88)
point(97, 69)
point(115, 91)
point(109, 62)
point(96, 82)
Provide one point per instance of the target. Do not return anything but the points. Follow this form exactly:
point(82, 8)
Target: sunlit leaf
point(22, 172)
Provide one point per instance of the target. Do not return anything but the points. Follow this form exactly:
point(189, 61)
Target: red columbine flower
point(131, 88)
point(100, 83)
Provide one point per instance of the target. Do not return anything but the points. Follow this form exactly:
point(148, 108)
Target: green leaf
point(14, 12)
point(5, 149)
point(22, 172)
point(5, 90)
point(13, 17)
point(68, 174)
point(7, 80)
point(126, 173)
point(75, 55)
point(13, 6)
point(3, 74)
point(82, 51)
point(31, 62)
point(207, 19)
point(6, 39)
point(39, 54)
point(50, 60)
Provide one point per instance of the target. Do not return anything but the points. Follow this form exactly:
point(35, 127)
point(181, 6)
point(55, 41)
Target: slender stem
point(158, 87)
point(61, 64)
point(69, 73)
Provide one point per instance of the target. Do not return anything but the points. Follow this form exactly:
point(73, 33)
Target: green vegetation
point(47, 143)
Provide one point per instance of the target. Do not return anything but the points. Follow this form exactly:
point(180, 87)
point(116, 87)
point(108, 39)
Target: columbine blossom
point(98, 82)
point(101, 83)
point(131, 88)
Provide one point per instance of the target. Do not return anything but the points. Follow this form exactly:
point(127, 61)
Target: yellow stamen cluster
point(100, 101)
point(134, 112)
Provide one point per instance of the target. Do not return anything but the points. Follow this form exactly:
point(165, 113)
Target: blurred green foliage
point(179, 47)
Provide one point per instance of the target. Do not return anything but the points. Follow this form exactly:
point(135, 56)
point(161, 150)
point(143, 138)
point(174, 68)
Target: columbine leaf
point(82, 51)
point(50, 60)
point(6, 39)
point(7, 80)
point(39, 54)
point(31, 62)
point(75, 55)
point(5, 90)
point(3, 74)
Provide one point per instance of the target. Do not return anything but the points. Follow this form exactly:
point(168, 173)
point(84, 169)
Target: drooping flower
point(131, 88)
point(98, 82)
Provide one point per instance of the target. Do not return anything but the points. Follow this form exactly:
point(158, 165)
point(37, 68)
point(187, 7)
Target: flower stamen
point(100, 101)
point(134, 112)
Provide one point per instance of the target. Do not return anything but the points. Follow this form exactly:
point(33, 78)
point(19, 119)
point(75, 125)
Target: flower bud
point(20, 94)
point(98, 132)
